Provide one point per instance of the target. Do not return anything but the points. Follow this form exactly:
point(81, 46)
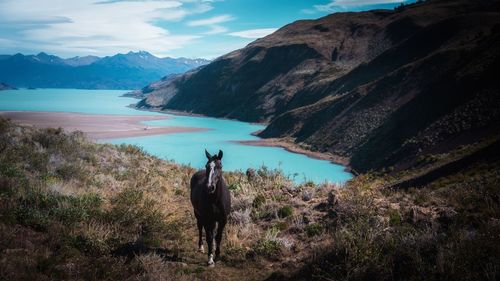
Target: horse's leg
point(200, 236)
point(209, 232)
point(218, 237)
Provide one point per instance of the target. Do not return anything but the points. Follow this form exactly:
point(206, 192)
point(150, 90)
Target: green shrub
point(49, 137)
point(258, 201)
point(313, 229)
point(309, 184)
point(90, 245)
point(269, 248)
point(134, 213)
point(72, 171)
point(9, 170)
point(131, 149)
point(285, 211)
point(39, 209)
point(81, 208)
point(394, 217)
point(234, 187)
point(281, 225)
point(34, 218)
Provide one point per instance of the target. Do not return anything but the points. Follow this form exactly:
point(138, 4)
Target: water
point(185, 148)
point(70, 100)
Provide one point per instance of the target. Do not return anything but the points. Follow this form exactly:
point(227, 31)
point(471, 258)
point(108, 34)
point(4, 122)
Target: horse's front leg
point(218, 237)
point(209, 232)
point(200, 236)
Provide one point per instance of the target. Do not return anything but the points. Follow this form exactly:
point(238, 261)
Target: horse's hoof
point(211, 262)
point(201, 250)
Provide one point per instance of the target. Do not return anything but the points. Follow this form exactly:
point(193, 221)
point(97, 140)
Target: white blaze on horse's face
point(211, 177)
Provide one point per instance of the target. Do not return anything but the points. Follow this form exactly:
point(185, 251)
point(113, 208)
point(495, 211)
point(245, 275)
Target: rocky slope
point(383, 88)
point(121, 71)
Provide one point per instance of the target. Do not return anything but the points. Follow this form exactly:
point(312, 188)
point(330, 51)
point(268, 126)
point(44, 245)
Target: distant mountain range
point(121, 71)
point(382, 88)
point(4, 86)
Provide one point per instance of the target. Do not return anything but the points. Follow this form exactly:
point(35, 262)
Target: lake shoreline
point(295, 148)
point(271, 142)
point(107, 116)
point(190, 114)
point(96, 126)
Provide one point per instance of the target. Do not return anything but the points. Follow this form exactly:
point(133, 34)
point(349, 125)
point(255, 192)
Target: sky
point(174, 28)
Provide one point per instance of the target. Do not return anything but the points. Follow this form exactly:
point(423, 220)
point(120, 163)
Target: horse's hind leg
point(209, 232)
point(200, 236)
point(218, 238)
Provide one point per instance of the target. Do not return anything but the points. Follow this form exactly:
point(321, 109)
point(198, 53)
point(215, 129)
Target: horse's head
point(213, 170)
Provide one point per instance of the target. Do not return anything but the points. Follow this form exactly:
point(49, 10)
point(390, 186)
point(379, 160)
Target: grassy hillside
point(71, 209)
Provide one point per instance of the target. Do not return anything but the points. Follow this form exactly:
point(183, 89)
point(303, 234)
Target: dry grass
point(75, 210)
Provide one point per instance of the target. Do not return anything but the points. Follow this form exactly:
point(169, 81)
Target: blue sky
point(176, 28)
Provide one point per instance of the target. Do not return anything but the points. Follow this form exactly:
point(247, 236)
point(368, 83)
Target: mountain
point(382, 88)
point(4, 86)
point(121, 71)
point(79, 61)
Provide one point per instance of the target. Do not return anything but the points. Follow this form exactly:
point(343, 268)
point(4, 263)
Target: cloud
point(337, 5)
point(253, 33)
point(210, 21)
point(101, 28)
point(216, 29)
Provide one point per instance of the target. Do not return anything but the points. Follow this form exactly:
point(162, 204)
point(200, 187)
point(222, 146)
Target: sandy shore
point(97, 127)
point(292, 147)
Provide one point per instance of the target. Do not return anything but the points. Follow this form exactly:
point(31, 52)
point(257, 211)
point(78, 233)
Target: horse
point(211, 202)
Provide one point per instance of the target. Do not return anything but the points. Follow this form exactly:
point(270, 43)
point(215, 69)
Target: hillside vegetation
point(71, 209)
point(381, 88)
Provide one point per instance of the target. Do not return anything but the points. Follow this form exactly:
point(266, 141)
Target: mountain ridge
point(382, 88)
point(120, 71)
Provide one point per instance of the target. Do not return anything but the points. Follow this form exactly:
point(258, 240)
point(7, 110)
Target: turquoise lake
point(185, 148)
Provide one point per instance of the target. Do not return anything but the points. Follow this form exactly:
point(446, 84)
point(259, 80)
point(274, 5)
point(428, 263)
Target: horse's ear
point(208, 154)
point(220, 154)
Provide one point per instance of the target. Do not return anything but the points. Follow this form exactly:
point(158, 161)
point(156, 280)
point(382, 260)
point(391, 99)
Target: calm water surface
point(185, 148)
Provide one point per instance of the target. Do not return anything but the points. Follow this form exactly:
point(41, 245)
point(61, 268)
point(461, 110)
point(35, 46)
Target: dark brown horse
point(211, 203)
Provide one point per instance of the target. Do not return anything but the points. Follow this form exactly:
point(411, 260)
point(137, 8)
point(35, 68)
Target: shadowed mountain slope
point(382, 88)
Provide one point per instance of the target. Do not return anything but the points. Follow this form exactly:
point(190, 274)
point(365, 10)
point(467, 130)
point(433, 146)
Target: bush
point(39, 209)
point(281, 226)
point(258, 201)
point(71, 171)
point(90, 245)
point(81, 208)
point(50, 137)
point(234, 187)
point(313, 229)
point(269, 248)
point(131, 149)
point(394, 217)
point(134, 213)
point(285, 211)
